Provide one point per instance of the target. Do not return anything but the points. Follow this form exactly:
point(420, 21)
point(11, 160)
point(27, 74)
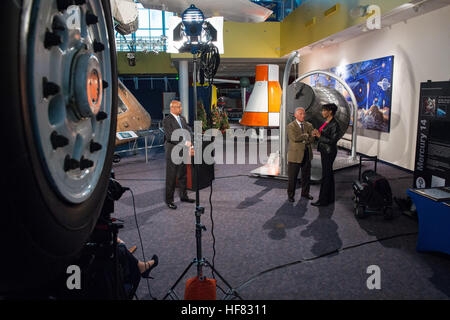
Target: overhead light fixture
point(131, 57)
point(359, 11)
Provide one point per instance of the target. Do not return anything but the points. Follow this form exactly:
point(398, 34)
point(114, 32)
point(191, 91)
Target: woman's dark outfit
point(328, 149)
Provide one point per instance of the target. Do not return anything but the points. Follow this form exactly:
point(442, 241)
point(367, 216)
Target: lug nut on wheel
point(101, 116)
point(51, 39)
point(49, 88)
point(94, 146)
point(98, 46)
point(58, 140)
point(86, 163)
point(70, 164)
point(91, 18)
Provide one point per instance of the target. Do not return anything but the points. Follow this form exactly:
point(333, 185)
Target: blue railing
point(140, 44)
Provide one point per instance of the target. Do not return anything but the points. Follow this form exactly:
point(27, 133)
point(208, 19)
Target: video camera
point(114, 193)
point(99, 261)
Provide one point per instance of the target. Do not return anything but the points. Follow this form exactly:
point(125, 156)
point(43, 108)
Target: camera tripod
point(199, 261)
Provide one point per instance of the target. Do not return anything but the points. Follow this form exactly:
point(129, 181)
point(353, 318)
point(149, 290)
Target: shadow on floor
point(288, 216)
point(269, 185)
point(324, 231)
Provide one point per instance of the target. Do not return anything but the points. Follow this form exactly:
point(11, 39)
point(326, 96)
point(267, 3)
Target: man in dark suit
point(171, 122)
point(299, 153)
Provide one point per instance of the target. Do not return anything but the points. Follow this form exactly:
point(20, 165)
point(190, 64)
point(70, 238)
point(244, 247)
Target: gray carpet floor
point(256, 229)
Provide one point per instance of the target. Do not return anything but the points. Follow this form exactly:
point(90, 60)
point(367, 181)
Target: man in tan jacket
point(299, 153)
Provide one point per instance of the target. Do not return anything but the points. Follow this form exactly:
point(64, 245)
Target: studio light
point(193, 19)
point(192, 32)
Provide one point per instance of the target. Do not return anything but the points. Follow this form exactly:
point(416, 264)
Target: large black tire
point(40, 233)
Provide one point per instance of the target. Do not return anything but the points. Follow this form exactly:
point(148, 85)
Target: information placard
point(432, 164)
point(123, 135)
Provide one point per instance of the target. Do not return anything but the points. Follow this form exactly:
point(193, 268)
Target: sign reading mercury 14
point(432, 165)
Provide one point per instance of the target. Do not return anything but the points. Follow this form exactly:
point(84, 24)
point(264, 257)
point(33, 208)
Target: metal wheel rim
point(80, 70)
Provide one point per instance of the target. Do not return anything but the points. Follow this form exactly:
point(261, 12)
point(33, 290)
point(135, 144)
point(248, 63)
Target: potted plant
point(217, 120)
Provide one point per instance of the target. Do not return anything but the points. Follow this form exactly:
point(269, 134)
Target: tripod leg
point(179, 279)
point(232, 292)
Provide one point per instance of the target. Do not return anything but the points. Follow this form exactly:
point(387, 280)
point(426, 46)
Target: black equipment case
point(372, 193)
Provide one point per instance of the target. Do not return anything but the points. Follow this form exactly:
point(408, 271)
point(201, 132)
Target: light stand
point(194, 80)
point(200, 261)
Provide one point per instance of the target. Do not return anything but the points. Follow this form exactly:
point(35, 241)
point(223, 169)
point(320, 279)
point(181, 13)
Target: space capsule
point(263, 107)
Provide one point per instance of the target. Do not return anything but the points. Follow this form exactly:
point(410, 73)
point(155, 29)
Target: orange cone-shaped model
point(263, 107)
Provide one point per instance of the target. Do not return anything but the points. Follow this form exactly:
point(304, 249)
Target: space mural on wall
point(371, 83)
